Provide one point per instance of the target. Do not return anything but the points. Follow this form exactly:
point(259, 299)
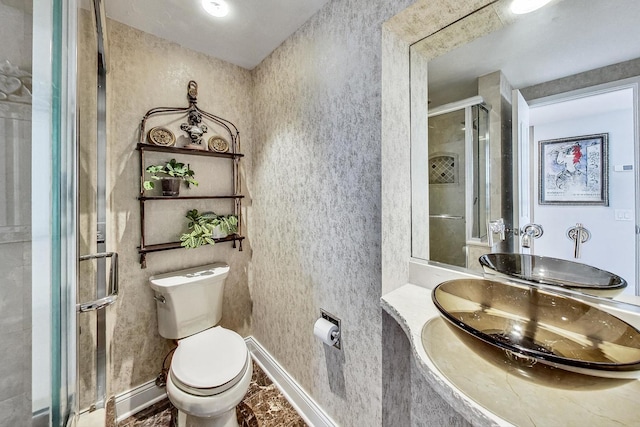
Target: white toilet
point(211, 368)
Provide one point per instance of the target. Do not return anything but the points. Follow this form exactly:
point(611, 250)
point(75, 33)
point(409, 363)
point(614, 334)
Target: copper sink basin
point(555, 272)
point(534, 325)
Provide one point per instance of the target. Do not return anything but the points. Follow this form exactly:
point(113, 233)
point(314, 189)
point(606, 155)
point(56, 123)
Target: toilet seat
point(210, 362)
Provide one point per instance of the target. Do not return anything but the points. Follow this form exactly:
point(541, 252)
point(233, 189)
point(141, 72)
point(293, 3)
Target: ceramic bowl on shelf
point(161, 136)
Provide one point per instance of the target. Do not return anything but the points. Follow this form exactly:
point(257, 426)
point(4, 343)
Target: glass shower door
point(98, 275)
point(16, 69)
point(447, 188)
point(54, 217)
point(37, 212)
point(459, 168)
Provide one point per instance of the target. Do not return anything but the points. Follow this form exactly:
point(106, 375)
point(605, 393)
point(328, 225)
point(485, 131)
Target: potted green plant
point(206, 227)
point(171, 174)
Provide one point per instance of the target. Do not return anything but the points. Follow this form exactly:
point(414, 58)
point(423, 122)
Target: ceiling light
point(520, 7)
point(217, 8)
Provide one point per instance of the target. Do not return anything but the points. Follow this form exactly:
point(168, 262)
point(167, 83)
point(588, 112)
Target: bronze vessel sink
point(555, 272)
point(534, 325)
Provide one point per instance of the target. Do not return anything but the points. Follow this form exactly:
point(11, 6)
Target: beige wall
point(147, 72)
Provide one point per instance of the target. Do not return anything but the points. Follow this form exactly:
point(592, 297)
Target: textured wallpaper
point(147, 72)
point(317, 205)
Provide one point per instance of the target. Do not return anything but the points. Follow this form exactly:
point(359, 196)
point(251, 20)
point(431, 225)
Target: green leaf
point(174, 169)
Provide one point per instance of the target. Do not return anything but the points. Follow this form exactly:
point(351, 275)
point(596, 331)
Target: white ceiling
point(564, 38)
point(247, 35)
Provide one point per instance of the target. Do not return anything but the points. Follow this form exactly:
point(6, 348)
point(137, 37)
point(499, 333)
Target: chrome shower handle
point(113, 284)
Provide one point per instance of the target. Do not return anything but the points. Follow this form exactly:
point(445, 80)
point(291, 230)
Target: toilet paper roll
point(324, 329)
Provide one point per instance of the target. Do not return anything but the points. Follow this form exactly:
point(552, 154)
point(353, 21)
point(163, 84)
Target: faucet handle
point(495, 227)
point(579, 235)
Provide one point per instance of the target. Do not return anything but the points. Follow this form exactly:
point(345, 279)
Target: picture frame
point(574, 170)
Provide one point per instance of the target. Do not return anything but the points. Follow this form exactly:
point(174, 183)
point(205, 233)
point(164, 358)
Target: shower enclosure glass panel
point(37, 212)
point(87, 192)
point(458, 183)
point(16, 69)
point(447, 185)
point(93, 296)
point(479, 149)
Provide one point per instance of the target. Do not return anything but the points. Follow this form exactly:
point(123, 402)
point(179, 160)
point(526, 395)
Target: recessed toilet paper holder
point(336, 321)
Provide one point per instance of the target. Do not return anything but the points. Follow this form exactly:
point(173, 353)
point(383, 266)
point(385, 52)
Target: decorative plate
point(161, 136)
point(218, 144)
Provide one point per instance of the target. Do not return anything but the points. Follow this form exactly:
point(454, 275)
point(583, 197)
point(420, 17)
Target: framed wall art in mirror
point(574, 171)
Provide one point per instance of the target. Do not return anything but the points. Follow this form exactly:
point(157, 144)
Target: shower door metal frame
point(105, 295)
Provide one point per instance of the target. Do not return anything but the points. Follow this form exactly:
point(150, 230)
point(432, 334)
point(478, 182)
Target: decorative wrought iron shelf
point(176, 245)
point(147, 198)
point(186, 151)
point(143, 251)
point(195, 128)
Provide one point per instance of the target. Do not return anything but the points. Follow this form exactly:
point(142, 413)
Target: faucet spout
point(529, 232)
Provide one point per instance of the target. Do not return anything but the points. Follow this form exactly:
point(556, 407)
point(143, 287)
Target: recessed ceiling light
point(217, 8)
point(520, 7)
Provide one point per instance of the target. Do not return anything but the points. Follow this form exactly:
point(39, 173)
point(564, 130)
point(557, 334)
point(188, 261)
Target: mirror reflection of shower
point(458, 178)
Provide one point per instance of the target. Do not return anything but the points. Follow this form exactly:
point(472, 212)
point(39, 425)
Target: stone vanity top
point(490, 390)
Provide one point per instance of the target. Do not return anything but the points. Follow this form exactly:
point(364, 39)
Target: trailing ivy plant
point(228, 223)
point(172, 169)
point(201, 228)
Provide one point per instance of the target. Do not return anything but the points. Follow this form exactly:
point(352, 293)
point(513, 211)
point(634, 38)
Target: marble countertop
point(489, 390)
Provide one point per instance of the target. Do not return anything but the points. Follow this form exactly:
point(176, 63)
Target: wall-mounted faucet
point(579, 235)
point(528, 232)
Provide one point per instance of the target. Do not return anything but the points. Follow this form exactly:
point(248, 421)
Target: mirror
point(577, 71)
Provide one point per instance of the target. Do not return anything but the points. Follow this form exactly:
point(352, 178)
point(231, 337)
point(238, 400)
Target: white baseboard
point(136, 399)
point(308, 409)
point(145, 395)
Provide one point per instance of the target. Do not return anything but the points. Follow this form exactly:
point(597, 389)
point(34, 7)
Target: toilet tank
point(189, 301)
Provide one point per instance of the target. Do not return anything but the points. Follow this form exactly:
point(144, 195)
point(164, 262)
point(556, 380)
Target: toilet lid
point(210, 361)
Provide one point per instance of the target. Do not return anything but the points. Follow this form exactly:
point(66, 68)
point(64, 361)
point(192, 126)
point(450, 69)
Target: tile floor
point(263, 406)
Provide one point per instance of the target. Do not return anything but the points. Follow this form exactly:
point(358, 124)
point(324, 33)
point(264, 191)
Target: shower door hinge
point(101, 232)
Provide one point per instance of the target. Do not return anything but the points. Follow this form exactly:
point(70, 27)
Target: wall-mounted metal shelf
point(142, 146)
point(146, 198)
point(195, 116)
point(176, 245)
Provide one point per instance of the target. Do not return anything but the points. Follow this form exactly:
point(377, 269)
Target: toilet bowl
point(211, 368)
point(209, 375)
